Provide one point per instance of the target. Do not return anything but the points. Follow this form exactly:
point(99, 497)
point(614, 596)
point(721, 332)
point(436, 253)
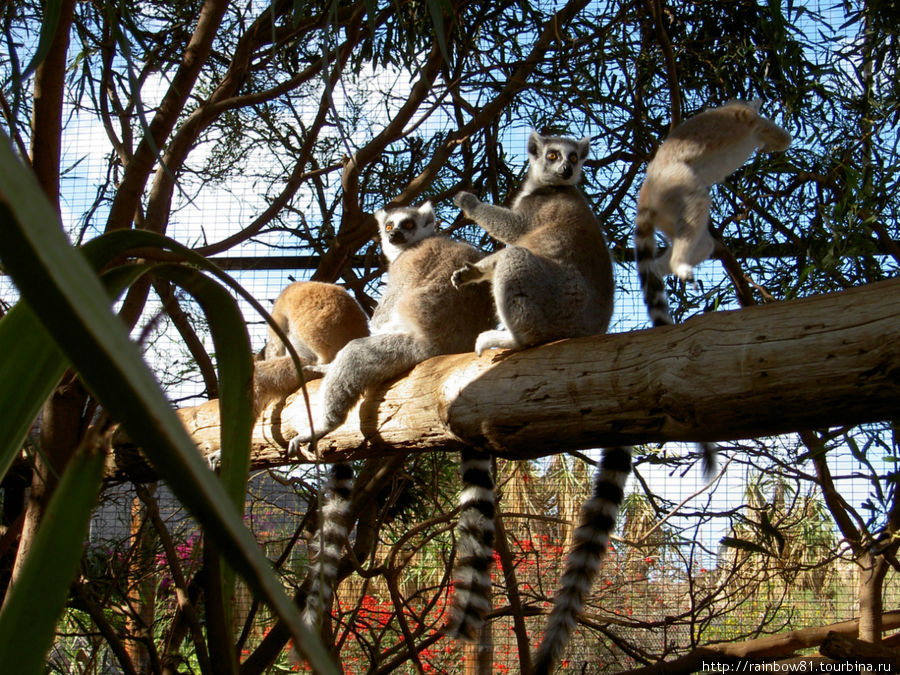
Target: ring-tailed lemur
point(554, 278)
point(590, 544)
point(420, 315)
point(318, 319)
point(674, 198)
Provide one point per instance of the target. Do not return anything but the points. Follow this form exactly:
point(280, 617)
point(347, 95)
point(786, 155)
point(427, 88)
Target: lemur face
point(401, 227)
point(555, 160)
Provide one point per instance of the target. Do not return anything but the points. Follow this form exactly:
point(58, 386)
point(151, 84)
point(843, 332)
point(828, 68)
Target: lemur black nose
point(396, 236)
point(566, 171)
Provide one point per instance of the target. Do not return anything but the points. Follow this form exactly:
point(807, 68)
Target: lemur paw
point(466, 201)
point(495, 339)
point(214, 459)
point(465, 275)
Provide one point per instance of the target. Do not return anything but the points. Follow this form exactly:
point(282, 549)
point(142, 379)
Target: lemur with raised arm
point(554, 280)
point(420, 315)
point(554, 277)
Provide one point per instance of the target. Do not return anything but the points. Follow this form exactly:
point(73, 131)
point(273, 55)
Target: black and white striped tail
point(652, 285)
point(330, 541)
point(474, 547)
point(654, 290)
point(591, 542)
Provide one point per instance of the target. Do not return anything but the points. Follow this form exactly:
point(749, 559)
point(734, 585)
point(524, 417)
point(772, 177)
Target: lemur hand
point(466, 201)
point(466, 275)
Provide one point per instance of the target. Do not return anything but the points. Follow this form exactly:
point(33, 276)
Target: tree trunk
point(141, 587)
point(843, 648)
point(821, 361)
point(46, 117)
point(61, 430)
point(872, 571)
point(61, 421)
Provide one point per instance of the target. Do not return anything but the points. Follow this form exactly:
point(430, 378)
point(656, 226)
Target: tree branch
point(773, 646)
point(138, 169)
point(816, 362)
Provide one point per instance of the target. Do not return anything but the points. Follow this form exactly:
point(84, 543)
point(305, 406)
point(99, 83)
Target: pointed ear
point(427, 212)
point(535, 141)
point(380, 216)
point(584, 147)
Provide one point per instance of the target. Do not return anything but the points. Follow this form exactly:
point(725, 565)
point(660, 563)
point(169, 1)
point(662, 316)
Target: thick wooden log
point(816, 362)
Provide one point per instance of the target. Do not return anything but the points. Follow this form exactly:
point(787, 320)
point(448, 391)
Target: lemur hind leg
point(527, 310)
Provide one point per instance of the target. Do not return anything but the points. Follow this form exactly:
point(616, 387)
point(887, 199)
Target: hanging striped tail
point(330, 539)
point(474, 546)
point(591, 542)
point(652, 285)
point(657, 302)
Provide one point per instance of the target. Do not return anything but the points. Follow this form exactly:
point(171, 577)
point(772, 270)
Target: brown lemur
point(318, 319)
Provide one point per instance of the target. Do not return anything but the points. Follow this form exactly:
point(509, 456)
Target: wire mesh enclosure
point(299, 121)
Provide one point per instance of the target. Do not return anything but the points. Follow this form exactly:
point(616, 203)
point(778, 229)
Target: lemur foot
point(297, 446)
point(495, 339)
point(685, 272)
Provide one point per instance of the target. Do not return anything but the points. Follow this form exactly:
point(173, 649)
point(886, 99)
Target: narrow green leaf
point(36, 365)
point(45, 41)
point(436, 10)
point(234, 358)
point(121, 242)
point(59, 285)
point(30, 358)
point(150, 244)
point(37, 599)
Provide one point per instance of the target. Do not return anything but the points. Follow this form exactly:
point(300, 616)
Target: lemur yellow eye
point(573, 158)
point(407, 224)
point(553, 155)
point(388, 227)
